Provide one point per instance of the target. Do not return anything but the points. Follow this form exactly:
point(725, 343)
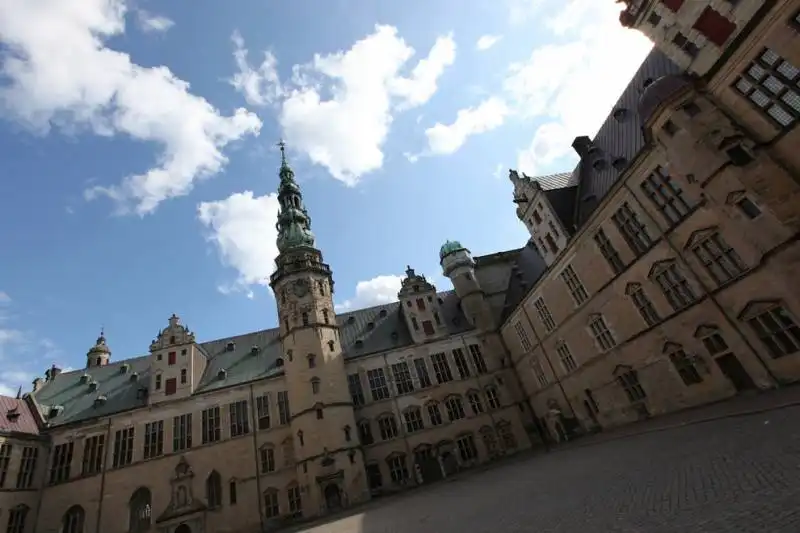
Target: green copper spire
point(294, 224)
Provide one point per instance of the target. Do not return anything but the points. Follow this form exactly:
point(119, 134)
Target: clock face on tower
point(300, 288)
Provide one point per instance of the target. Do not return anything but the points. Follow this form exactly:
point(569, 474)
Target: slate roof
point(528, 268)
point(554, 181)
point(16, 417)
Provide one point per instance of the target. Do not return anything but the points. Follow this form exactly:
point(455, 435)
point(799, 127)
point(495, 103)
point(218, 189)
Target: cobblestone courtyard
point(731, 475)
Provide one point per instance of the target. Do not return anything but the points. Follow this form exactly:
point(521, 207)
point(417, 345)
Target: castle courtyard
point(738, 474)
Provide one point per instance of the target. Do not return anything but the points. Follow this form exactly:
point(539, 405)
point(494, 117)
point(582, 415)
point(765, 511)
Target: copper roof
point(15, 417)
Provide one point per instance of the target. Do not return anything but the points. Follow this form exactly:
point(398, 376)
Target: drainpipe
point(254, 425)
point(108, 448)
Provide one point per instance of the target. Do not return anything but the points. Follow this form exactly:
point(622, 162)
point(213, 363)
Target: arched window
point(312, 360)
point(305, 319)
point(73, 520)
point(321, 288)
point(315, 385)
point(214, 490)
point(331, 345)
point(325, 317)
point(140, 510)
point(455, 408)
point(475, 402)
point(271, 508)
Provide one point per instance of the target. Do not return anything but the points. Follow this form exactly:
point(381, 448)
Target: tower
point(458, 265)
point(100, 353)
point(329, 462)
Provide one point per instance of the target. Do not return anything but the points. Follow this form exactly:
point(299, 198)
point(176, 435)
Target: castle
point(658, 276)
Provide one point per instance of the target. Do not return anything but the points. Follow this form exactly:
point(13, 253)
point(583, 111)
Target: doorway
point(183, 528)
point(333, 497)
point(732, 368)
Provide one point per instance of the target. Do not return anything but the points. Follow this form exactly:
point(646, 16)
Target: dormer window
point(408, 303)
point(654, 19)
point(620, 114)
point(229, 347)
point(370, 325)
point(414, 324)
point(619, 163)
point(279, 362)
point(383, 313)
point(359, 344)
point(12, 414)
point(351, 320)
point(599, 165)
point(669, 128)
point(416, 288)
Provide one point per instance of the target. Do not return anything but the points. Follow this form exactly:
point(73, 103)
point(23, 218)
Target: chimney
point(52, 372)
point(581, 145)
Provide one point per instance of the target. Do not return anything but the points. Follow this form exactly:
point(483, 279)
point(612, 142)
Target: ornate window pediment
point(422, 447)
point(621, 369)
point(394, 455)
point(384, 415)
point(659, 266)
point(670, 347)
point(591, 317)
point(699, 236)
point(631, 288)
point(704, 330)
point(757, 307)
point(736, 196)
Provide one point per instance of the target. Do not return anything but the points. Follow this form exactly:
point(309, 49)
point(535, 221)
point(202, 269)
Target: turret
point(99, 354)
point(421, 307)
point(458, 265)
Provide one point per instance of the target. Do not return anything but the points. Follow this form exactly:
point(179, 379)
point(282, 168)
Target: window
point(466, 448)
point(171, 386)
point(654, 19)
point(262, 411)
point(714, 26)
point(267, 456)
point(61, 463)
point(295, 503)
point(312, 361)
point(608, 251)
point(691, 109)
point(491, 397)
point(413, 418)
point(377, 384)
point(325, 317)
point(27, 467)
point(632, 229)
point(475, 403)
point(564, 354)
point(524, 340)
point(629, 381)
point(670, 128)
point(398, 470)
point(305, 319)
point(666, 195)
point(158, 382)
point(171, 358)
point(153, 439)
point(402, 378)
point(437, 319)
point(684, 366)
point(718, 258)
point(544, 314)
point(16, 519)
point(461, 363)
point(388, 427)
point(123, 447)
point(551, 243)
point(683, 43)
point(477, 359)
point(183, 376)
point(211, 425)
point(320, 414)
point(574, 285)
point(315, 385)
point(602, 336)
point(675, 287)
point(140, 511)
point(365, 432)
point(214, 490)
point(232, 492)
point(321, 285)
point(748, 208)
point(356, 391)
point(538, 372)
point(414, 323)
point(240, 425)
point(537, 217)
point(455, 408)
point(271, 509)
point(420, 304)
point(73, 519)
point(434, 414)
point(5, 459)
point(427, 327)
point(422, 373)
point(283, 407)
point(777, 330)
point(441, 368)
point(643, 305)
point(182, 432)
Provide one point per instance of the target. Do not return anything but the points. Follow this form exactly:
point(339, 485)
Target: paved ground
point(737, 475)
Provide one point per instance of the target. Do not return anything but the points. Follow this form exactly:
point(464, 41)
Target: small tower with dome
point(458, 265)
point(100, 353)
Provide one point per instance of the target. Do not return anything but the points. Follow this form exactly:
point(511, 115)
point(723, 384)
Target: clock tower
point(330, 464)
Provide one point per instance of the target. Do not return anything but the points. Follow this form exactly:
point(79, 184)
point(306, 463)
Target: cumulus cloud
point(242, 228)
point(260, 85)
point(376, 291)
point(444, 139)
point(338, 108)
point(4, 298)
point(58, 72)
point(150, 23)
point(487, 41)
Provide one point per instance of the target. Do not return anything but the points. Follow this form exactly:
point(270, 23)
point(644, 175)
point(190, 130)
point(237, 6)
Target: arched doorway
point(333, 497)
point(183, 528)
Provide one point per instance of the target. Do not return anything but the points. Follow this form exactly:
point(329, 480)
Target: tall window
point(271, 509)
point(295, 503)
point(153, 439)
point(441, 368)
point(629, 381)
point(632, 230)
point(398, 470)
point(240, 424)
point(778, 331)
point(267, 453)
point(666, 195)
point(413, 418)
point(506, 435)
point(602, 335)
point(365, 432)
point(93, 453)
point(683, 365)
point(455, 408)
point(565, 355)
point(356, 390)
point(574, 285)
point(61, 463)
point(772, 84)
point(377, 384)
point(643, 304)
point(262, 411)
point(402, 378)
point(475, 403)
point(211, 425)
point(477, 359)
point(524, 340)
point(73, 519)
point(492, 399)
point(434, 414)
point(422, 373)
point(538, 372)
point(461, 363)
point(388, 427)
point(718, 258)
point(17, 517)
point(182, 432)
point(544, 314)
point(608, 251)
point(283, 407)
point(674, 285)
point(5, 460)
point(140, 511)
point(27, 467)
point(466, 448)
point(214, 490)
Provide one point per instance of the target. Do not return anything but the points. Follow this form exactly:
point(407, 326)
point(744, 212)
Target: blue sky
point(138, 160)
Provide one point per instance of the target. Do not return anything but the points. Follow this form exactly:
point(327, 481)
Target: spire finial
point(282, 145)
point(19, 392)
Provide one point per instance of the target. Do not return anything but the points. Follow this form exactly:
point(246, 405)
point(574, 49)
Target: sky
point(138, 159)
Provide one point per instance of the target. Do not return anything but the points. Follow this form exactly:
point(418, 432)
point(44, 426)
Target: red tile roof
point(15, 416)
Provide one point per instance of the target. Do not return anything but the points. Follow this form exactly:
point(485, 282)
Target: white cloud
point(376, 291)
point(260, 85)
point(520, 11)
point(487, 41)
point(338, 108)
point(498, 171)
point(150, 23)
point(4, 298)
point(447, 139)
point(242, 228)
point(572, 86)
point(59, 73)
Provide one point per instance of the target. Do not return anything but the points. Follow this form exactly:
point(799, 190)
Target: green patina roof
point(449, 247)
point(294, 224)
